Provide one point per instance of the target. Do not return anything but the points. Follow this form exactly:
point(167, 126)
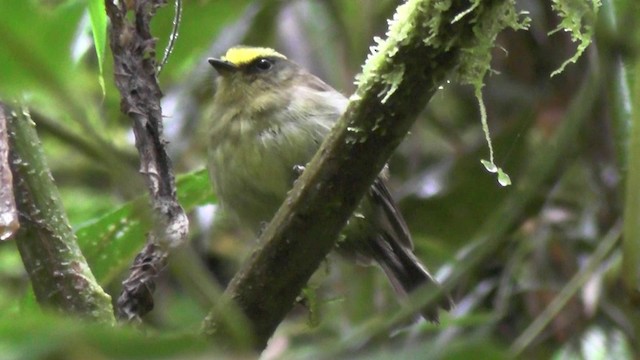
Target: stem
point(619, 93)
point(631, 244)
point(485, 126)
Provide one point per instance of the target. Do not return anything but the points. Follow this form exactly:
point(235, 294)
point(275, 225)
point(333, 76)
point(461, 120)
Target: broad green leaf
point(110, 243)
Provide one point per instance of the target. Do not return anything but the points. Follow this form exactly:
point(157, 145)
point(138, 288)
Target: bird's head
point(249, 72)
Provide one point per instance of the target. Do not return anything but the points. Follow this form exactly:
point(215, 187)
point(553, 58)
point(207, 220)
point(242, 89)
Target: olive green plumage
point(270, 115)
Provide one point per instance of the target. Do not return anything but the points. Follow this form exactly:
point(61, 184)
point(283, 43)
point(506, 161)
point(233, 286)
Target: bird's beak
point(222, 66)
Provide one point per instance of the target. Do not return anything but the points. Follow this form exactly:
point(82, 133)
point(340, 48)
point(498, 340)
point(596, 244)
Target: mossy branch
point(426, 43)
point(60, 276)
point(546, 165)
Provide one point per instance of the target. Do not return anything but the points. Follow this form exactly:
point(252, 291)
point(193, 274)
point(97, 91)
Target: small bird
point(270, 117)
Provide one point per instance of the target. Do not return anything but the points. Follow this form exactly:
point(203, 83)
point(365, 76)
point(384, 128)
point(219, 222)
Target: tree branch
point(425, 44)
point(546, 166)
point(133, 50)
point(8, 213)
point(59, 273)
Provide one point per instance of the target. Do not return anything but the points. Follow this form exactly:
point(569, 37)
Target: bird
point(270, 116)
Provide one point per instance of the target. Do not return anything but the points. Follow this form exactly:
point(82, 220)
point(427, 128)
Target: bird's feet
point(298, 170)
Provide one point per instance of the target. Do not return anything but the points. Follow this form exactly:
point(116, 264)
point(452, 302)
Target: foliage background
point(540, 233)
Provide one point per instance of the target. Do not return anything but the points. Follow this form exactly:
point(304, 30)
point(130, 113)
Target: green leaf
point(503, 178)
point(110, 242)
point(40, 335)
point(35, 54)
point(98, 17)
point(490, 166)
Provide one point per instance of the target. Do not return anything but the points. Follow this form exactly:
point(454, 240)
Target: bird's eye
point(264, 64)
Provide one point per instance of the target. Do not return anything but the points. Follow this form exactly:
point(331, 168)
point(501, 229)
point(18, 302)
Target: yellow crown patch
point(241, 55)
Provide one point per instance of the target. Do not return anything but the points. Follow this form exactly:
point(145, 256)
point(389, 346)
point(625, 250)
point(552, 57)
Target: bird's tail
point(406, 273)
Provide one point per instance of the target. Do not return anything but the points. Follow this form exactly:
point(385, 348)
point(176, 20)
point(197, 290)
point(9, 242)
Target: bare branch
point(133, 50)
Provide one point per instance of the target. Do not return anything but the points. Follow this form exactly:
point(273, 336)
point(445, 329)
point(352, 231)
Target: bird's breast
point(251, 165)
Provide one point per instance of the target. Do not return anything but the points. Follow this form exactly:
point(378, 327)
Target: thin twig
point(177, 18)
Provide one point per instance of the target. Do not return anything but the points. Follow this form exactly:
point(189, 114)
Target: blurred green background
point(507, 252)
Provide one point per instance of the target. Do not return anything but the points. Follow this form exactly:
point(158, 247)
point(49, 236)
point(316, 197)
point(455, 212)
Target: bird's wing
point(391, 215)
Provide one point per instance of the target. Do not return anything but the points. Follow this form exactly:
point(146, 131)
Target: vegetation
point(546, 267)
